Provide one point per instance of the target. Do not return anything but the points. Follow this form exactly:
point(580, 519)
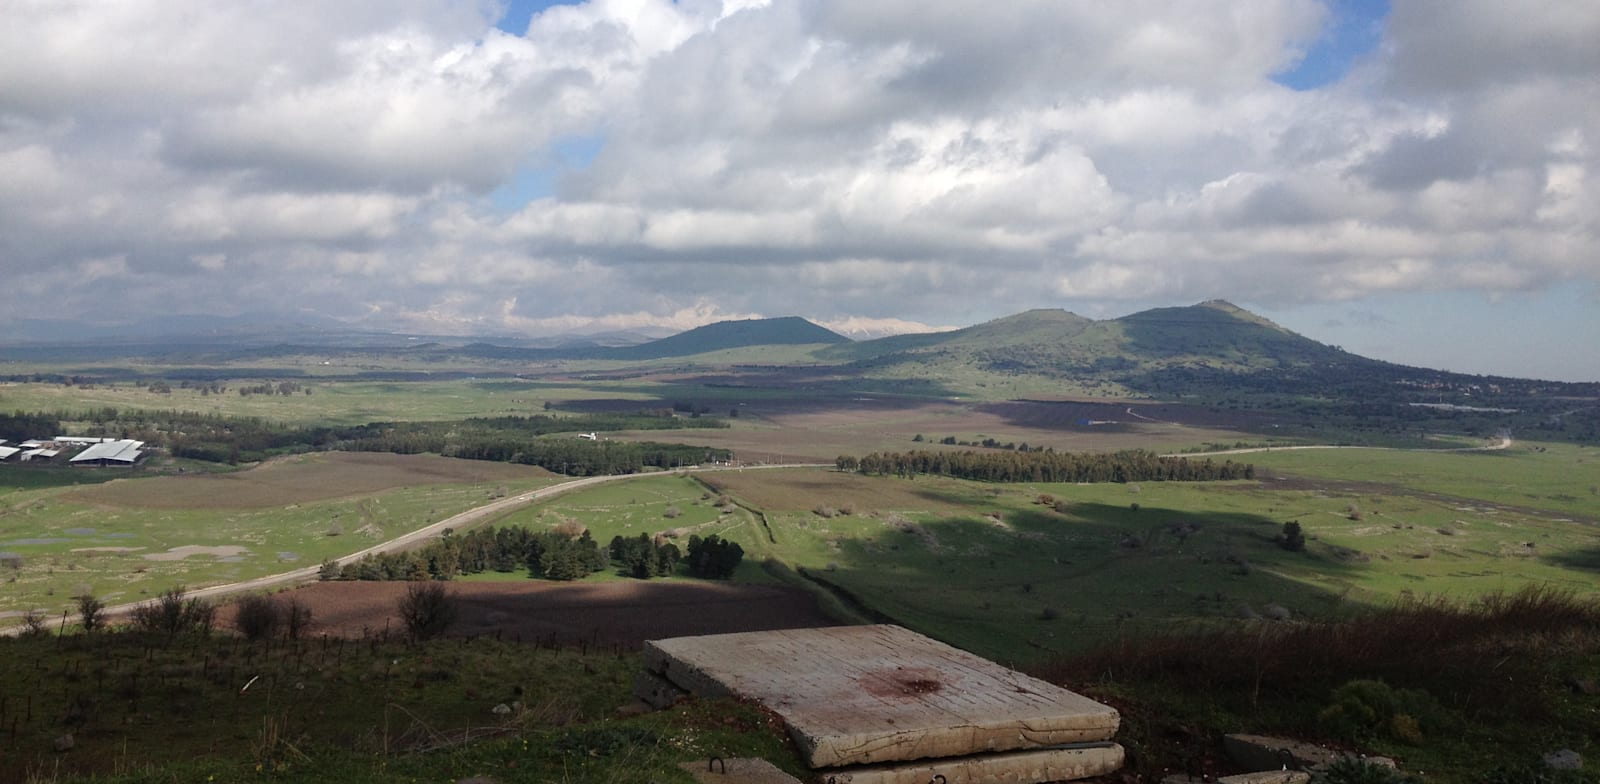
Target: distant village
point(84, 451)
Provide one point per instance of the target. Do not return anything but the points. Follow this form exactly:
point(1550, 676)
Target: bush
point(33, 624)
point(427, 610)
point(173, 614)
point(296, 616)
point(1366, 709)
point(1354, 770)
point(257, 617)
point(91, 612)
point(1293, 538)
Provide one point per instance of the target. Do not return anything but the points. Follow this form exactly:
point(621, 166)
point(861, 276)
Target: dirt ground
point(619, 614)
point(299, 479)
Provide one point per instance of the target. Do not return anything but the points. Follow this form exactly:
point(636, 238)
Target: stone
point(1277, 612)
point(856, 695)
point(1264, 752)
point(501, 710)
point(1062, 763)
point(1268, 777)
point(656, 691)
point(635, 708)
point(739, 770)
point(1565, 759)
point(65, 742)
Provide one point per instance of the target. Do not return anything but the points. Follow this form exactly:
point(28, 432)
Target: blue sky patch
point(1354, 28)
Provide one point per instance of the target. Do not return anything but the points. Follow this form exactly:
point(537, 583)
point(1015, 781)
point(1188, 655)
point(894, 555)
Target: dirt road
point(458, 522)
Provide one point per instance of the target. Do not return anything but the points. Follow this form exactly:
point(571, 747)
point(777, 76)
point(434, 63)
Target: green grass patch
point(348, 710)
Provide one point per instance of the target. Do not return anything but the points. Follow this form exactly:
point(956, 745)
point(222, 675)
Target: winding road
point(404, 541)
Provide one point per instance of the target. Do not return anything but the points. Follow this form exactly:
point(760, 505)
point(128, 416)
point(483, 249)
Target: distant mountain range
point(1163, 352)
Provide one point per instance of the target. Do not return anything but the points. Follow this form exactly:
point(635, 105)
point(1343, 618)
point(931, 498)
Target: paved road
point(405, 541)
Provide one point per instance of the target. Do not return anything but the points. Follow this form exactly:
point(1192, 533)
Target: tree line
point(565, 552)
point(1048, 466)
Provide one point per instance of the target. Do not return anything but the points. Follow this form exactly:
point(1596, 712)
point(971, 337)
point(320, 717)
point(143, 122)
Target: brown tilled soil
point(622, 614)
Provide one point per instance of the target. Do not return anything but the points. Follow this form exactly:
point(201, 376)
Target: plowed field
point(622, 614)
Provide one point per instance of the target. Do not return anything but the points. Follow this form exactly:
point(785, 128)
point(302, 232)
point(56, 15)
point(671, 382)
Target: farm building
point(82, 440)
point(114, 453)
point(39, 454)
point(8, 452)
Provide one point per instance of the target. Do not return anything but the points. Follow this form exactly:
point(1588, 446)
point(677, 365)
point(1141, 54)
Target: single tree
point(427, 610)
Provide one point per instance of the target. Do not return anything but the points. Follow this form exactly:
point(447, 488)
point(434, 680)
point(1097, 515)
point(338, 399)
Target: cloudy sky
point(1418, 183)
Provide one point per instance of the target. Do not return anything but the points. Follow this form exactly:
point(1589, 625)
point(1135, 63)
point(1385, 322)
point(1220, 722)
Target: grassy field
point(991, 569)
point(330, 402)
point(1559, 478)
point(333, 710)
point(130, 538)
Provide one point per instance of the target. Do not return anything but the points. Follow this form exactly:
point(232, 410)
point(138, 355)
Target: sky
point(1417, 182)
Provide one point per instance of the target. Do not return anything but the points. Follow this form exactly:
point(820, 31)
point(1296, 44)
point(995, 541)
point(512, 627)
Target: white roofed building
point(112, 453)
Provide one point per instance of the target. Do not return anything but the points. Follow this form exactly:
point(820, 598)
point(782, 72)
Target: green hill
point(786, 331)
point(1132, 353)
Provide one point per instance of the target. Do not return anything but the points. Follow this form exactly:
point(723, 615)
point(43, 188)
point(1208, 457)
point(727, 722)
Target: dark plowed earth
point(621, 614)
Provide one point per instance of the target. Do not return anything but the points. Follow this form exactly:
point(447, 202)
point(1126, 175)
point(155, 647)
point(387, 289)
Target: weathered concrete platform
point(868, 695)
point(1010, 767)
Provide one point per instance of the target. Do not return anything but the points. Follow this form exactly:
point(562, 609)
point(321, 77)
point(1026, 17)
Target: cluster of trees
point(567, 552)
point(713, 558)
point(1127, 466)
point(987, 443)
point(285, 388)
point(643, 557)
point(560, 554)
point(21, 426)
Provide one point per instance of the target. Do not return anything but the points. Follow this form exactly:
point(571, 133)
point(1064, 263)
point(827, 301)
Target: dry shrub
point(256, 617)
point(1470, 651)
point(569, 527)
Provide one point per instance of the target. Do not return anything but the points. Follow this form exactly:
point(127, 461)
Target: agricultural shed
point(113, 453)
point(31, 444)
point(7, 452)
point(39, 454)
point(82, 440)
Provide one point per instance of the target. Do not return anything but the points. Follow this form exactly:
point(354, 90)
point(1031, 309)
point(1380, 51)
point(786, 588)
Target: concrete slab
point(739, 770)
point(1011, 767)
point(855, 695)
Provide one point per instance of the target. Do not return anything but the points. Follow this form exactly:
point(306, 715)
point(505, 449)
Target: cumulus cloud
point(877, 166)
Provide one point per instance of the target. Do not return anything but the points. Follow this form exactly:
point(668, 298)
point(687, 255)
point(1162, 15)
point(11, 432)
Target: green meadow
point(329, 402)
point(56, 544)
point(1008, 573)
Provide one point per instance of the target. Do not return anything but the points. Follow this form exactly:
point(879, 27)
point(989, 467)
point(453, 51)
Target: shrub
point(91, 612)
point(1354, 770)
point(672, 512)
point(330, 570)
point(173, 614)
point(257, 617)
point(33, 624)
point(1293, 537)
point(427, 610)
point(296, 617)
point(1365, 709)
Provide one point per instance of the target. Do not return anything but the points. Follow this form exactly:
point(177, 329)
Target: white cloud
point(893, 162)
